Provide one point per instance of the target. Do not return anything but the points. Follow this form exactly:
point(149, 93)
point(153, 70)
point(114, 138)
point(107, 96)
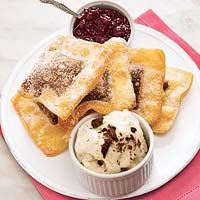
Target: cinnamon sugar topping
point(55, 70)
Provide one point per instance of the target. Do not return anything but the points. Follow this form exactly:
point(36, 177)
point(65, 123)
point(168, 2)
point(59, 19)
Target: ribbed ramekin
point(113, 185)
point(107, 4)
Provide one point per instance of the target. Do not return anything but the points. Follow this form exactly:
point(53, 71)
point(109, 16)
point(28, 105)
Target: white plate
point(172, 153)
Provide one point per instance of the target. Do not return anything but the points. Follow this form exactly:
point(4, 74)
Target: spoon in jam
point(61, 7)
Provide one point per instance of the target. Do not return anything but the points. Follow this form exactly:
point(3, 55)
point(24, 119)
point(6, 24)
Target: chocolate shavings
point(110, 133)
point(105, 146)
point(100, 162)
point(123, 169)
point(97, 122)
point(133, 129)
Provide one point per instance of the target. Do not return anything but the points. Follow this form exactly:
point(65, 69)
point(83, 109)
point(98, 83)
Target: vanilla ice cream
point(111, 144)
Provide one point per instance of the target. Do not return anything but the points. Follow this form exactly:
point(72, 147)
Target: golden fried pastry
point(59, 81)
point(122, 93)
point(51, 138)
point(114, 91)
point(177, 83)
point(63, 77)
point(148, 72)
point(74, 77)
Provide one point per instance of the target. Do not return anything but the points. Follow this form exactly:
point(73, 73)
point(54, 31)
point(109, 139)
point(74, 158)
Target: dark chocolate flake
point(123, 169)
point(97, 122)
point(165, 85)
point(105, 146)
point(132, 138)
point(100, 162)
point(110, 133)
point(104, 129)
point(133, 129)
point(112, 130)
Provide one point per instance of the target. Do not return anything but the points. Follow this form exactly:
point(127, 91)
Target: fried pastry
point(51, 138)
point(114, 91)
point(177, 83)
point(63, 77)
point(59, 81)
point(148, 72)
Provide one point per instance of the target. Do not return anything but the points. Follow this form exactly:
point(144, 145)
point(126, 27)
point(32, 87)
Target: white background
point(23, 23)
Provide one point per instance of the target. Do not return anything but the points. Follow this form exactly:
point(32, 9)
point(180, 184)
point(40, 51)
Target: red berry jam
point(100, 24)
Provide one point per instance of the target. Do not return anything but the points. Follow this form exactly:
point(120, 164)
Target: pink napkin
point(184, 186)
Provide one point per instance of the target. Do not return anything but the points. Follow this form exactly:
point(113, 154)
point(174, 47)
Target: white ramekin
point(113, 185)
point(107, 4)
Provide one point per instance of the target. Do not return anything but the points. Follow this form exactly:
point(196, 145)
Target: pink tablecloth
point(186, 185)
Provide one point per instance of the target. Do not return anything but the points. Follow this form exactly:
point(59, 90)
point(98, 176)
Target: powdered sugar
point(54, 70)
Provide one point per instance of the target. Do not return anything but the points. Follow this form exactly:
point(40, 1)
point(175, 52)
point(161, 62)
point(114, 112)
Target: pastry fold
point(177, 84)
point(51, 138)
point(148, 73)
point(114, 91)
point(64, 76)
point(61, 78)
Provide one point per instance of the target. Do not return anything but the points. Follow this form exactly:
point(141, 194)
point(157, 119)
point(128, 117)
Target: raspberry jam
point(100, 24)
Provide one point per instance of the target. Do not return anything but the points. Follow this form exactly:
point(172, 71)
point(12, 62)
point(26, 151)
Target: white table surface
point(23, 23)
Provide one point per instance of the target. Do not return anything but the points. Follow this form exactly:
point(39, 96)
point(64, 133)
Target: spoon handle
point(61, 7)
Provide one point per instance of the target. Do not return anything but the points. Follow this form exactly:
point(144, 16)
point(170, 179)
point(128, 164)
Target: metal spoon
point(61, 7)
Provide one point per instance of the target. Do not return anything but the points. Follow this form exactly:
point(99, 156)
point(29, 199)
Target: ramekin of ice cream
point(112, 155)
